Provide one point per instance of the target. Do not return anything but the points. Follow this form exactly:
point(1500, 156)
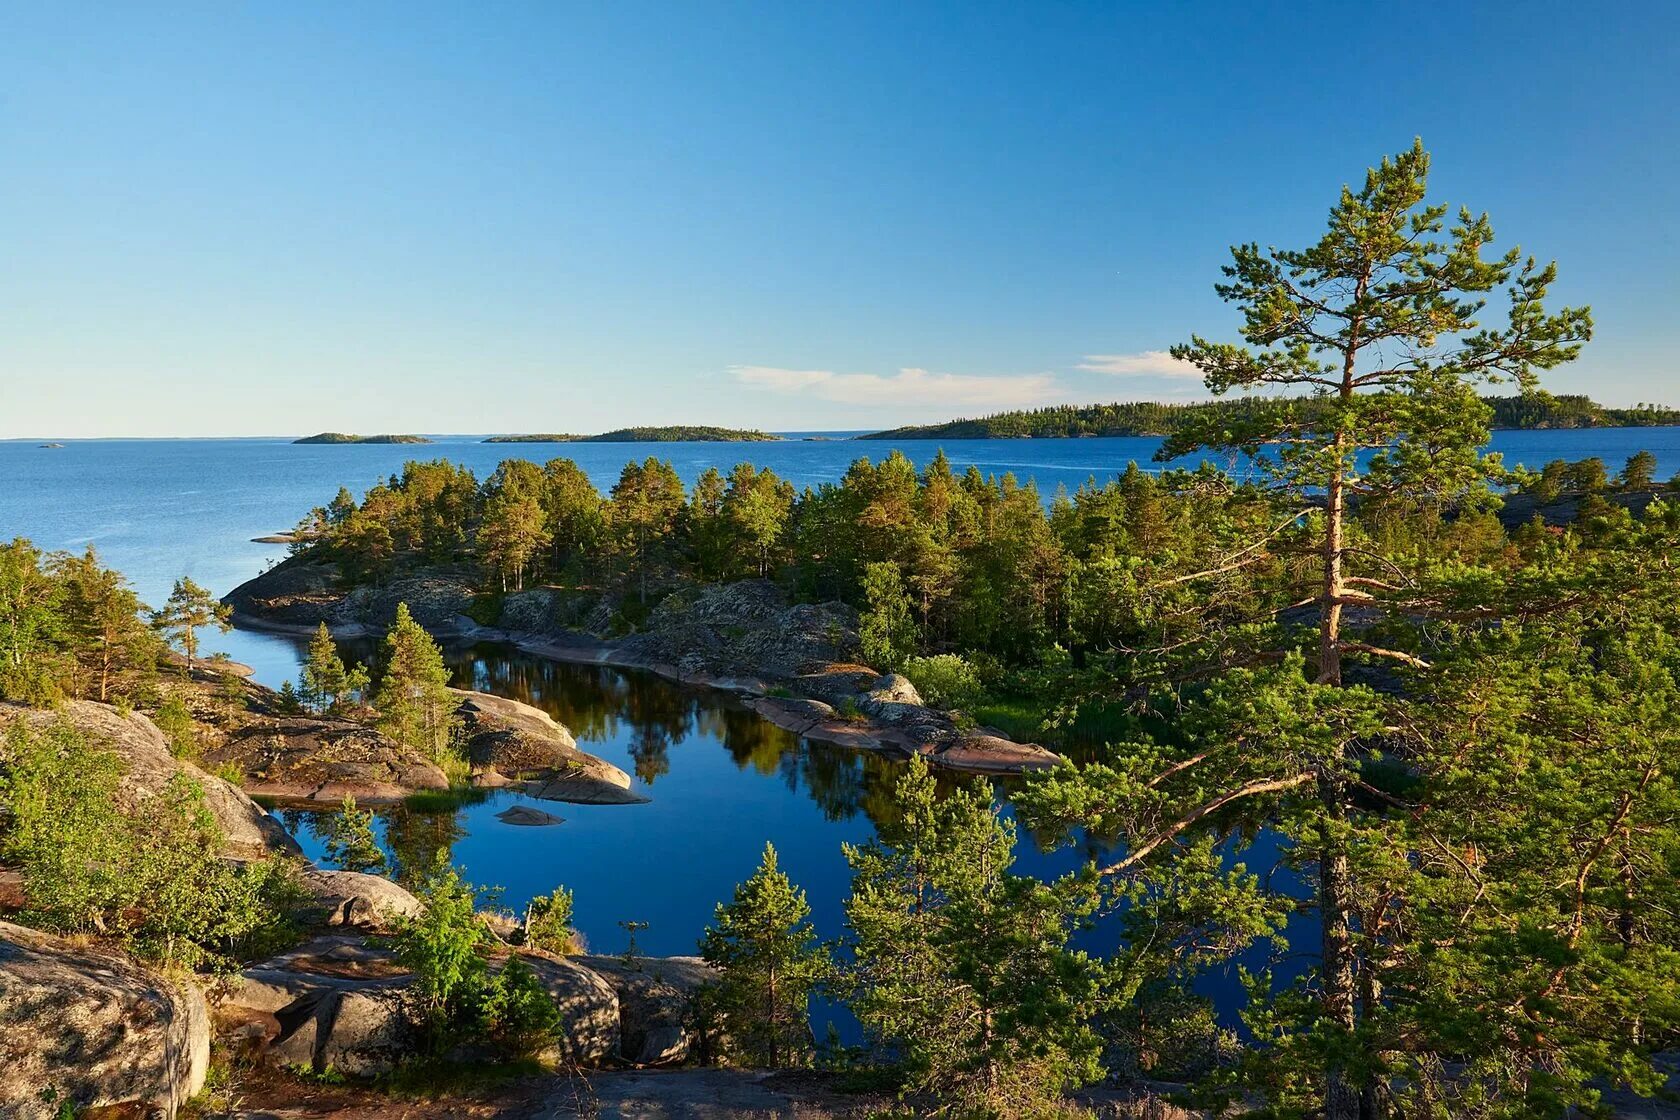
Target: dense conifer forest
point(1154, 418)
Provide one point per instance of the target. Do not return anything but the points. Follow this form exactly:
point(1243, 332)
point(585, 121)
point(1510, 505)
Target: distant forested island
point(344, 437)
point(1155, 418)
point(675, 433)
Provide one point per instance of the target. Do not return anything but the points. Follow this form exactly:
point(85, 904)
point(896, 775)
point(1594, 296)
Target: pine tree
point(1373, 334)
point(513, 530)
point(327, 684)
point(31, 669)
point(416, 707)
point(103, 623)
point(965, 969)
point(350, 842)
point(1640, 473)
point(188, 610)
point(646, 503)
point(769, 961)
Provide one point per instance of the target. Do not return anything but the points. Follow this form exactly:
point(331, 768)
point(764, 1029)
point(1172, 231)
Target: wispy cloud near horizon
point(908, 387)
point(1145, 363)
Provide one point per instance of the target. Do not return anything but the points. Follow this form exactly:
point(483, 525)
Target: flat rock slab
point(527, 817)
point(580, 791)
point(992, 754)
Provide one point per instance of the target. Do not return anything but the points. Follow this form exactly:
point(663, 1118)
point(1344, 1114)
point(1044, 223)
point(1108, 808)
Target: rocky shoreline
point(89, 1021)
point(795, 665)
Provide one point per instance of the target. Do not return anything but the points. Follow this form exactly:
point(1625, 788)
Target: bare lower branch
point(1379, 651)
point(1252, 789)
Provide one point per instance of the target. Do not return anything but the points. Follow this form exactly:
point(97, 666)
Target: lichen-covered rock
point(302, 592)
point(299, 593)
point(894, 688)
point(524, 816)
point(983, 753)
point(249, 831)
point(511, 743)
point(365, 1032)
point(437, 601)
point(94, 1028)
point(309, 758)
point(588, 1006)
point(358, 901)
point(337, 1002)
point(655, 995)
point(744, 629)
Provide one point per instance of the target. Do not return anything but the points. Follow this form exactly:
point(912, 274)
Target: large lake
point(721, 781)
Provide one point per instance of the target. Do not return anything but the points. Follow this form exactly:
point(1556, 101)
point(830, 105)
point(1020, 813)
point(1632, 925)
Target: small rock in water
point(525, 815)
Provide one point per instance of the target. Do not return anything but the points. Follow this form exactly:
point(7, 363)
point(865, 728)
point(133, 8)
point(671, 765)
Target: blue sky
point(278, 218)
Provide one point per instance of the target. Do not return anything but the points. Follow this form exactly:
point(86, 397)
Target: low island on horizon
point(671, 433)
point(344, 437)
point(1527, 412)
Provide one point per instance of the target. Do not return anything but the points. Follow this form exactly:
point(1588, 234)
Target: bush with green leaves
point(151, 874)
point(175, 720)
point(945, 680)
point(443, 947)
point(455, 996)
point(548, 923)
point(517, 1012)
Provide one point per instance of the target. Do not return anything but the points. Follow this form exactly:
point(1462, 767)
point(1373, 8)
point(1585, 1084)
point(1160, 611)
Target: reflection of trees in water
point(751, 740)
point(660, 716)
point(588, 699)
point(596, 701)
point(411, 838)
point(417, 841)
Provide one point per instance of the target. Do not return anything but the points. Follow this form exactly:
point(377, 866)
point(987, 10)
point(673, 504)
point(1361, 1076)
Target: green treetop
point(1373, 338)
point(327, 684)
point(769, 961)
point(188, 610)
point(964, 968)
point(104, 625)
point(415, 705)
point(30, 626)
point(513, 530)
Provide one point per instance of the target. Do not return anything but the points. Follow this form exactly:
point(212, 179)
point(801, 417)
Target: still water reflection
point(721, 782)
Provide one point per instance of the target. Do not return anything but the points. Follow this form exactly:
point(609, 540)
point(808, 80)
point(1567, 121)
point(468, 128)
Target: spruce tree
point(763, 946)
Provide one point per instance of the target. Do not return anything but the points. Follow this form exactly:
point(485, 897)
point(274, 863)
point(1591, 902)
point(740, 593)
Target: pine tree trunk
point(1342, 1100)
point(1335, 893)
point(1330, 605)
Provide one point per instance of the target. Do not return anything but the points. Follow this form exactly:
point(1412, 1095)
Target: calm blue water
point(722, 782)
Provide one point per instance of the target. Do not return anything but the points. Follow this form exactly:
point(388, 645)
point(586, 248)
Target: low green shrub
point(945, 680)
point(151, 875)
point(176, 723)
point(548, 923)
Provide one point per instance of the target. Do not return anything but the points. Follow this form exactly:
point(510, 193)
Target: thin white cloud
point(907, 387)
point(1148, 363)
